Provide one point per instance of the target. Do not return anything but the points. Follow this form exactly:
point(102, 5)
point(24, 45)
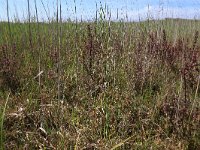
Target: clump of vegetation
point(100, 85)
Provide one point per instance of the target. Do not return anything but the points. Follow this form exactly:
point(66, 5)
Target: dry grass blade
point(121, 143)
point(2, 120)
point(196, 93)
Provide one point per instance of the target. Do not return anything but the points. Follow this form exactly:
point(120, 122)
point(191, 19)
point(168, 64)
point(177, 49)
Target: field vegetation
point(100, 85)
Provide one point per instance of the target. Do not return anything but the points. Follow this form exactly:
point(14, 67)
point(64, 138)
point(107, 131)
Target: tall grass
point(101, 84)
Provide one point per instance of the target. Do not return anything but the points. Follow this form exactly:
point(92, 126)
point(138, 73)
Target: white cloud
point(174, 12)
point(157, 12)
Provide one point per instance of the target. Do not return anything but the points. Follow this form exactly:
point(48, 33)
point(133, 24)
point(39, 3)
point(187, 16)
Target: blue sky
point(86, 9)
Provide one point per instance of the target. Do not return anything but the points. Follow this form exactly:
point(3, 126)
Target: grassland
point(100, 85)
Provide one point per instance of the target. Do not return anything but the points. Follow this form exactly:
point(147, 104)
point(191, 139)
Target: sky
point(130, 10)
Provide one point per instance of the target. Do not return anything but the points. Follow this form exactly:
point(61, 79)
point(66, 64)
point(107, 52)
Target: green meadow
point(100, 85)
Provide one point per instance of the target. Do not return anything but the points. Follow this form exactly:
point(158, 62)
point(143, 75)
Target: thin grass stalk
point(121, 143)
point(2, 120)
point(113, 53)
point(96, 19)
point(45, 11)
point(196, 94)
point(29, 24)
point(90, 49)
point(76, 44)
point(184, 78)
point(39, 59)
point(9, 26)
point(117, 13)
point(58, 50)
point(39, 44)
